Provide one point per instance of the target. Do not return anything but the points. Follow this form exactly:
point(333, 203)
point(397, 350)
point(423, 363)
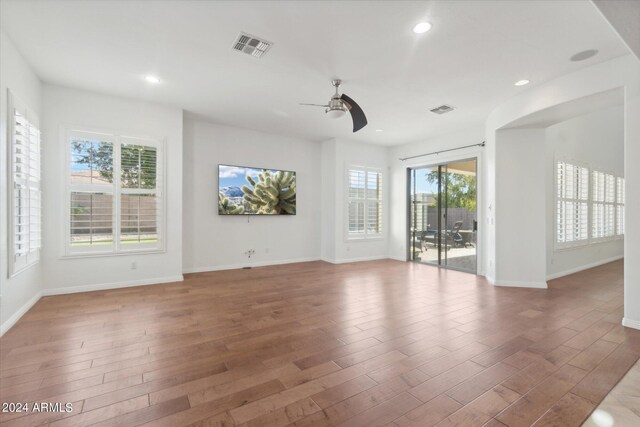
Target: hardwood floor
point(380, 343)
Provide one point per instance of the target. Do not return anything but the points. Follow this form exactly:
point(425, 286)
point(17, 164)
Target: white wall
point(597, 141)
point(520, 188)
point(213, 242)
point(68, 107)
point(21, 291)
point(631, 209)
point(338, 155)
point(398, 181)
point(328, 211)
point(620, 72)
point(624, 18)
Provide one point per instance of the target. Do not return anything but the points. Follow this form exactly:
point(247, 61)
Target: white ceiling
point(470, 59)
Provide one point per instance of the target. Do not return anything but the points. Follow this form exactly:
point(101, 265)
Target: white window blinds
point(603, 210)
point(620, 206)
point(25, 189)
point(572, 204)
point(114, 194)
point(364, 204)
point(589, 205)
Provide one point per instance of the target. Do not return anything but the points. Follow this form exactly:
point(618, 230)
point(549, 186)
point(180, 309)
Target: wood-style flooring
point(380, 343)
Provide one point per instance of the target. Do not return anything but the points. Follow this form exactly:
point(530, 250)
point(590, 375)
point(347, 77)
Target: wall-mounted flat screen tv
point(254, 191)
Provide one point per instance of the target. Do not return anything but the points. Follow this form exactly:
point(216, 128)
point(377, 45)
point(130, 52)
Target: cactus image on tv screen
point(255, 191)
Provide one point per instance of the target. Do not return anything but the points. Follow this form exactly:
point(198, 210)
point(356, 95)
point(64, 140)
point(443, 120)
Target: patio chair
point(430, 238)
point(455, 236)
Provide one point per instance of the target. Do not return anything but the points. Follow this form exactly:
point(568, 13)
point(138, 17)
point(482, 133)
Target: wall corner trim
point(508, 283)
point(21, 312)
point(360, 259)
point(113, 285)
point(584, 267)
point(248, 264)
point(629, 323)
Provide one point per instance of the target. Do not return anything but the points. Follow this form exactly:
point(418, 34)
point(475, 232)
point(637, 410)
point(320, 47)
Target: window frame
point(115, 189)
point(19, 263)
point(591, 203)
point(366, 235)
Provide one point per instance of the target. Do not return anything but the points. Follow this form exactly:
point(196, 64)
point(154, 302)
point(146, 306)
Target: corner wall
point(619, 72)
point(214, 242)
point(521, 220)
point(18, 293)
point(597, 141)
point(92, 111)
point(338, 155)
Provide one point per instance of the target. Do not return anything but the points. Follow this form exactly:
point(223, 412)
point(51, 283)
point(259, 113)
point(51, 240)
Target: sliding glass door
point(442, 219)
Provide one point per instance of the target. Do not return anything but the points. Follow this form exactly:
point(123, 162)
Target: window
point(603, 208)
point(115, 203)
point(620, 207)
point(24, 186)
point(572, 204)
point(364, 203)
point(587, 210)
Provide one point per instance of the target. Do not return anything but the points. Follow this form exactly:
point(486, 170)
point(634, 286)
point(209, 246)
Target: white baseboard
point(629, 323)
point(113, 285)
point(360, 259)
point(584, 267)
point(248, 264)
point(508, 283)
point(18, 314)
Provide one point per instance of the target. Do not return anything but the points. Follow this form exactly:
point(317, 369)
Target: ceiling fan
point(340, 104)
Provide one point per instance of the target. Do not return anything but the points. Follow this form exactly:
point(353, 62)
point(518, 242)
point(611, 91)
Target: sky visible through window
point(422, 184)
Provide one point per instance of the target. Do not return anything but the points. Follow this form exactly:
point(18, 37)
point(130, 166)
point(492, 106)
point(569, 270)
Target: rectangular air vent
point(442, 109)
point(251, 45)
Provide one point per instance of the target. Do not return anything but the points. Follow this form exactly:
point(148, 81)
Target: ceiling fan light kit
point(338, 106)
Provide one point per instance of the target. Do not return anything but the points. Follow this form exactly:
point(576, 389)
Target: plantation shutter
point(364, 217)
point(572, 204)
point(24, 161)
point(139, 197)
point(114, 194)
point(603, 211)
point(620, 206)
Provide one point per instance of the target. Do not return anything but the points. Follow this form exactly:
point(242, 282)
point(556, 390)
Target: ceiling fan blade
point(359, 119)
point(314, 105)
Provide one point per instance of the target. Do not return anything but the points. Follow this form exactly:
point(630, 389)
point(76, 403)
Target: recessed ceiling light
point(585, 54)
point(379, 130)
point(422, 27)
point(152, 79)
point(521, 82)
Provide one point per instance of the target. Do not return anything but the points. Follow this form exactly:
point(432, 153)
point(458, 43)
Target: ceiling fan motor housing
point(337, 108)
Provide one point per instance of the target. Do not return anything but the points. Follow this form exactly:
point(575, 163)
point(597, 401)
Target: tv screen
point(253, 191)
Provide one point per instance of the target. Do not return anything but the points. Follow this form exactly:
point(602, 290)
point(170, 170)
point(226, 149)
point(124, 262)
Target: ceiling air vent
point(442, 109)
point(251, 45)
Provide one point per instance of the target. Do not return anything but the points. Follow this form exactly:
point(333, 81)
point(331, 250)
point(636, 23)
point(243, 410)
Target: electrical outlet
point(266, 250)
point(134, 265)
